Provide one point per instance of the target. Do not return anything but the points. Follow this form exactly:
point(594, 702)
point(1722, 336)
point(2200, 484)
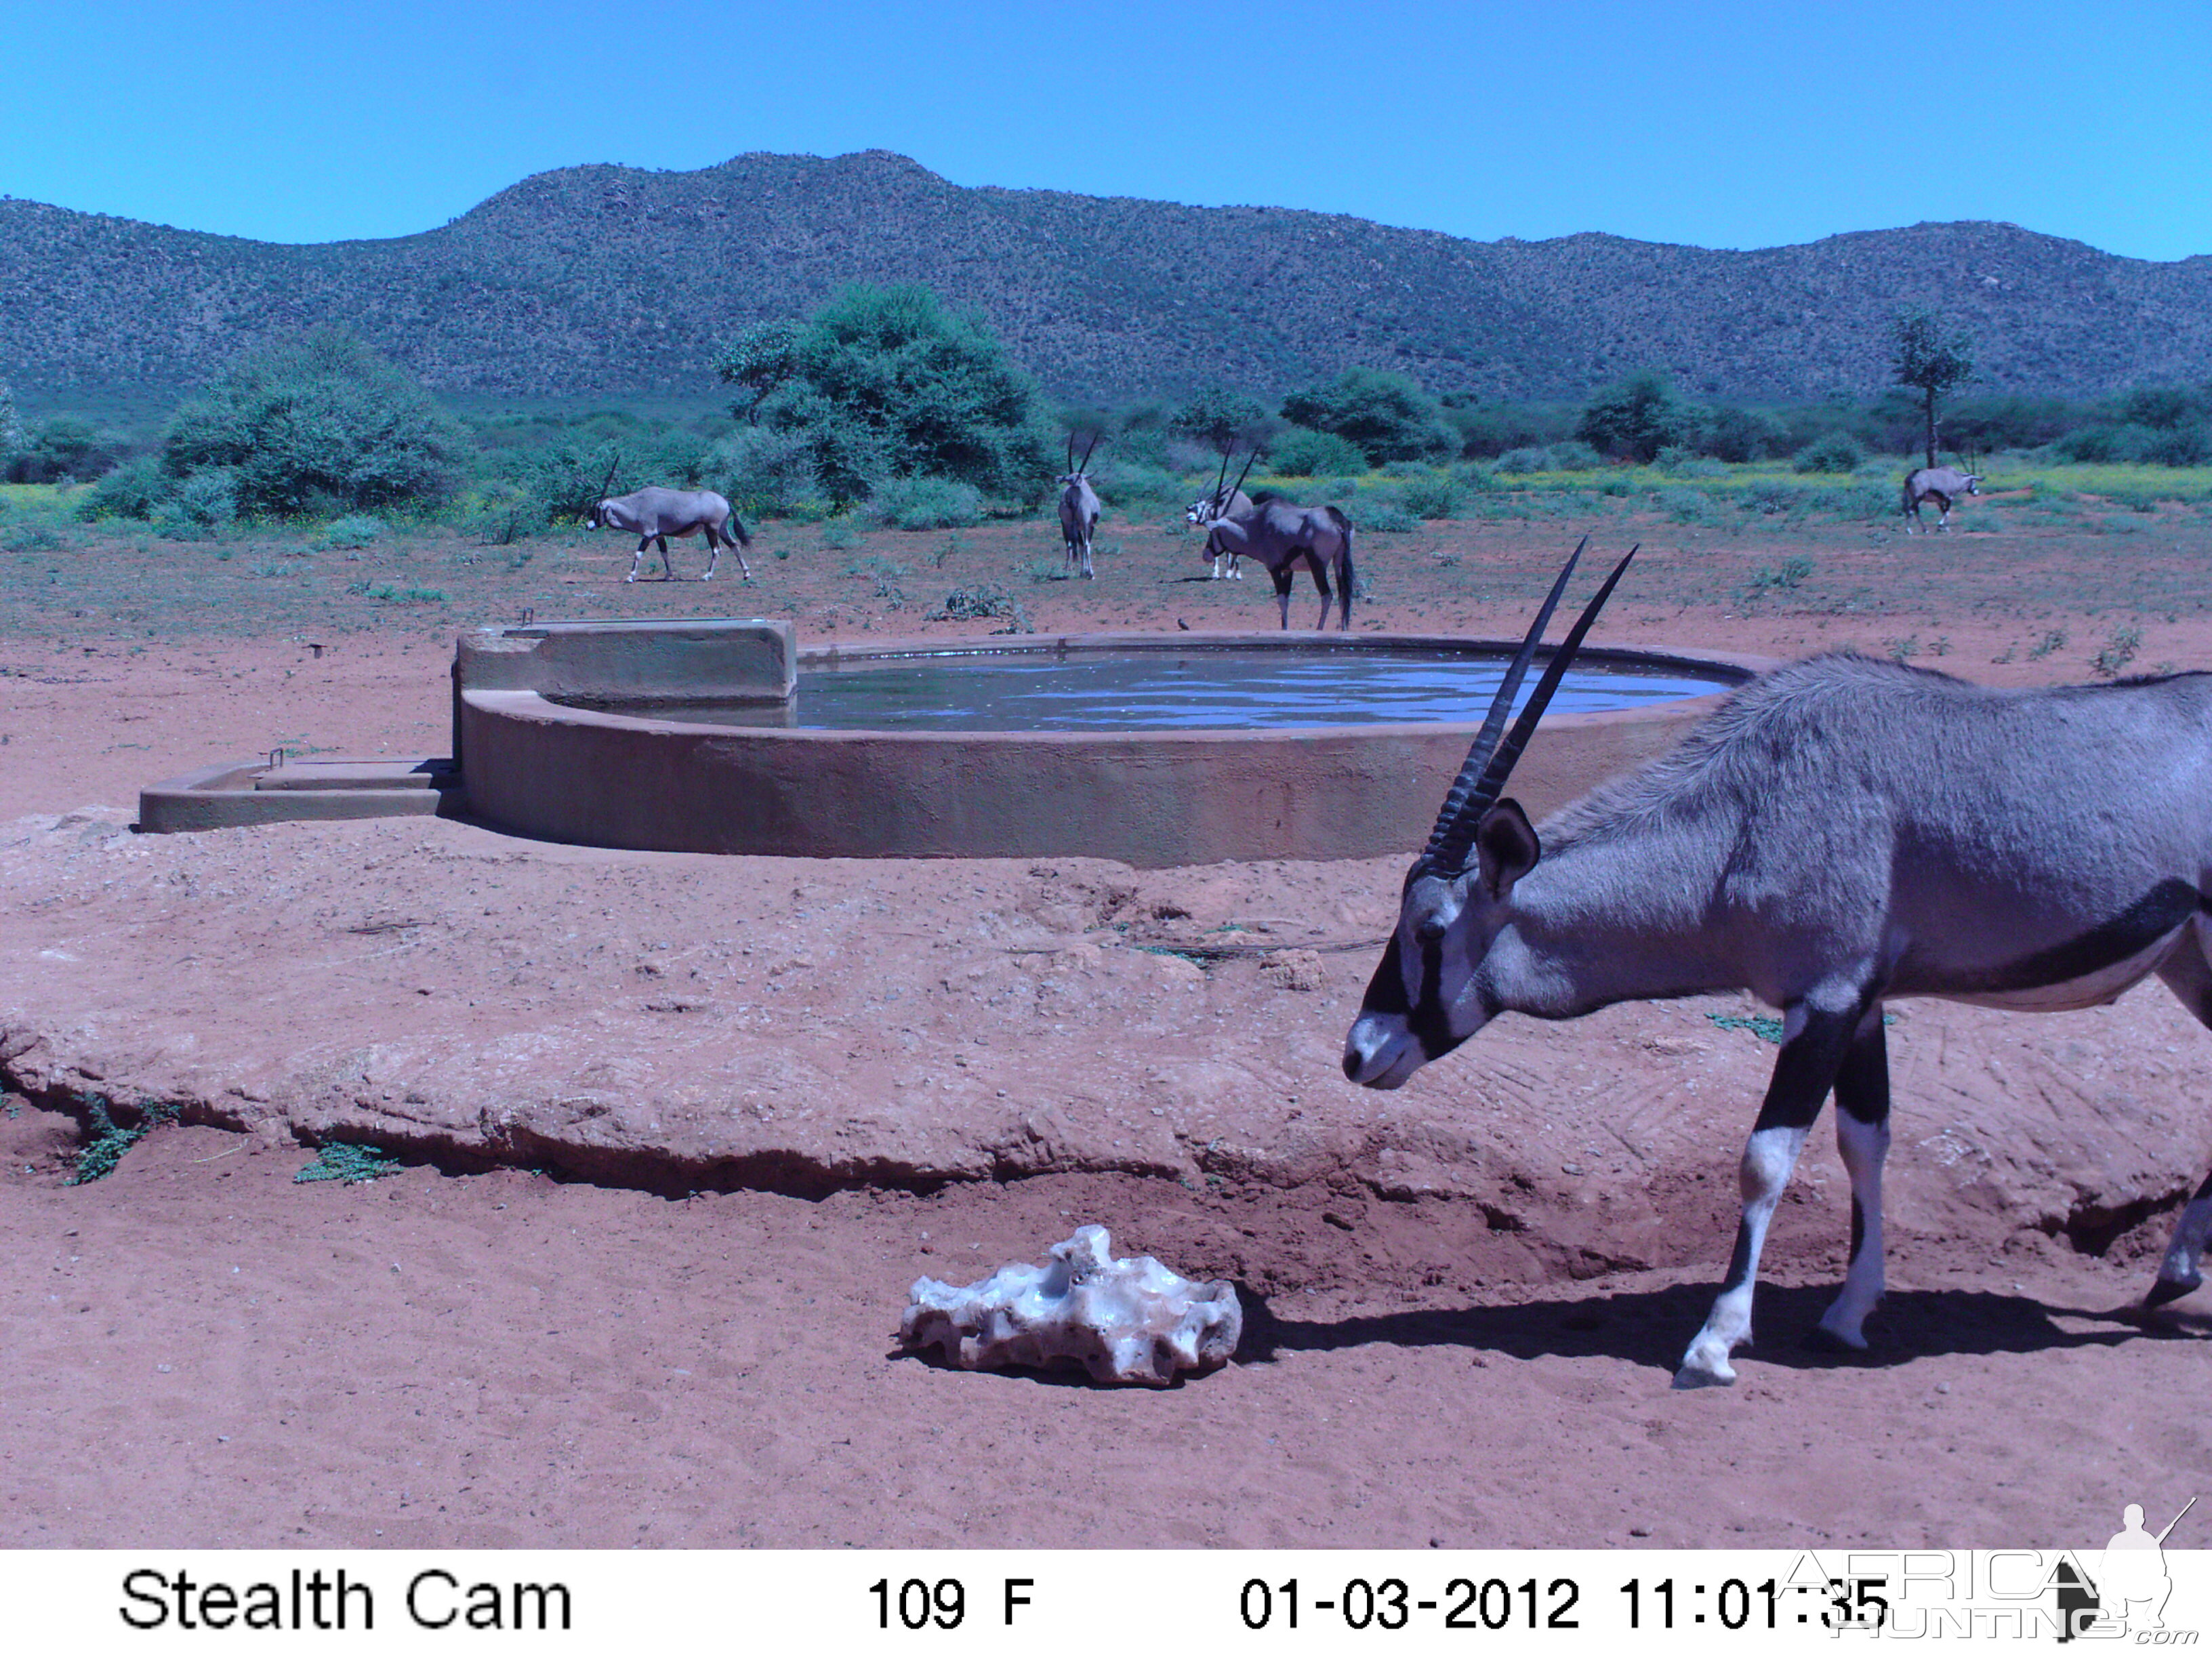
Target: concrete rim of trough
point(1149, 799)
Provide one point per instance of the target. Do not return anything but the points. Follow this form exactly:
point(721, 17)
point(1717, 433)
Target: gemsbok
point(1941, 485)
point(655, 514)
point(1078, 508)
point(1282, 536)
point(1225, 498)
point(1841, 832)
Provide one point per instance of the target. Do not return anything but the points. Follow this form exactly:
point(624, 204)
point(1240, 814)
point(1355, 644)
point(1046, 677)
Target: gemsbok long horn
point(1087, 448)
point(1241, 476)
point(1482, 779)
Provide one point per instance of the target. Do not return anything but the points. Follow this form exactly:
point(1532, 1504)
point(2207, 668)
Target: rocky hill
point(607, 283)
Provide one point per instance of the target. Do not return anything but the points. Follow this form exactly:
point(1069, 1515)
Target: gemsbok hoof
point(2163, 1290)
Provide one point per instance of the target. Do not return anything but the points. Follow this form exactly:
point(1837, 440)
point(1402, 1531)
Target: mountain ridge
point(606, 282)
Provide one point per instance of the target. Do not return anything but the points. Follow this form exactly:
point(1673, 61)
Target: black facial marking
point(1430, 1028)
point(1386, 992)
point(2138, 928)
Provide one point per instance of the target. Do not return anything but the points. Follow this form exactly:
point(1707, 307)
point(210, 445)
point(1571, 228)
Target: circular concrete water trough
point(549, 743)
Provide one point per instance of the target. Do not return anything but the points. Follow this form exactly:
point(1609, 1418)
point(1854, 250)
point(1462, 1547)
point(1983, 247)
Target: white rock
point(1131, 1321)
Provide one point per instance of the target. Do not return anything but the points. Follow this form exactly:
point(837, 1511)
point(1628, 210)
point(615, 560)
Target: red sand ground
point(203, 1353)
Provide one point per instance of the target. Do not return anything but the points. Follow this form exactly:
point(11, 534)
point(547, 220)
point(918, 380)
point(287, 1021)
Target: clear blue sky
point(1723, 125)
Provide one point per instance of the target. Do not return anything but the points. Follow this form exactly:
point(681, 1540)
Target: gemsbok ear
point(1507, 845)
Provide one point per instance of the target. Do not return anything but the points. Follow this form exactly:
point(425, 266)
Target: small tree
point(11, 427)
point(888, 383)
point(759, 359)
point(1931, 361)
point(1222, 420)
point(1638, 418)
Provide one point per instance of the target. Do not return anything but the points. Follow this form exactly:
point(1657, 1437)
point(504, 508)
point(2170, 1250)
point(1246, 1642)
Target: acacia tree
point(888, 383)
point(1930, 359)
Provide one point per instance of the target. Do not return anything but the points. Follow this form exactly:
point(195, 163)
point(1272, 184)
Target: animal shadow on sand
point(1651, 1327)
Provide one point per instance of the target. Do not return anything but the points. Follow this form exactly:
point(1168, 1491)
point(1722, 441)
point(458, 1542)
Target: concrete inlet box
point(714, 659)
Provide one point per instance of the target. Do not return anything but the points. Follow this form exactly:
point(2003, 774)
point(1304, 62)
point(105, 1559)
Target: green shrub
point(767, 473)
point(1836, 453)
point(62, 450)
point(1773, 495)
point(504, 513)
point(351, 1164)
point(982, 603)
point(841, 533)
point(926, 504)
point(1131, 486)
point(1685, 506)
point(355, 530)
point(319, 422)
point(1301, 452)
point(205, 504)
point(887, 384)
point(1635, 417)
point(135, 490)
point(1729, 434)
point(1384, 513)
point(1525, 460)
point(1573, 455)
point(1387, 416)
point(1433, 496)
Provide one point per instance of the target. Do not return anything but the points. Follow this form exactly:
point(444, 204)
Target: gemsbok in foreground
point(655, 514)
point(1841, 832)
point(1078, 509)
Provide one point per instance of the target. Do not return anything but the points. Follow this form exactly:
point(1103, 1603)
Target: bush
point(1572, 455)
point(978, 605)
point(318, 423)
point(1773, 495)
point(64, 449)
point(1741, 435)
point(1525, 460)
point(505, 513)
point(1686, 506)
point(926, 504)
point(1635, 417)
point(1436, 496)
point(1300, 452)
point(887, 384)
point(358, 530)
point(1389, 417)
point(135, 490)
point(1127, 486)
point(766, 473)
point(1383, 514)
point(202, 505)
point(1836, 453)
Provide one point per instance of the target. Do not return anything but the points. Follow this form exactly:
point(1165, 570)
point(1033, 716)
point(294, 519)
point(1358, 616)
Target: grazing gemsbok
point(1079, 507)
point(1226, 498)
point(655, 514)
point(1282, 536)
point(1941, 485)
point(1841, 832)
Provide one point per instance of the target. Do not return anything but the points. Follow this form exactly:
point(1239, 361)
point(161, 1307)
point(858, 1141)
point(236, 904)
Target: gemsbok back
point(1842, 832)
point(655, 514)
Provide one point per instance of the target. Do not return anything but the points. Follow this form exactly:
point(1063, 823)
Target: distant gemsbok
point(1941, 485)
point(1078, 508)
point(1843, 832)
point(1225, 499)
point(654, 515)
point(1282, 535)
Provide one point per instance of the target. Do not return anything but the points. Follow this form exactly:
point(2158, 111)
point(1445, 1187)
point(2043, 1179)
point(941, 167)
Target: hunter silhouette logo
point(2128, 1592)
